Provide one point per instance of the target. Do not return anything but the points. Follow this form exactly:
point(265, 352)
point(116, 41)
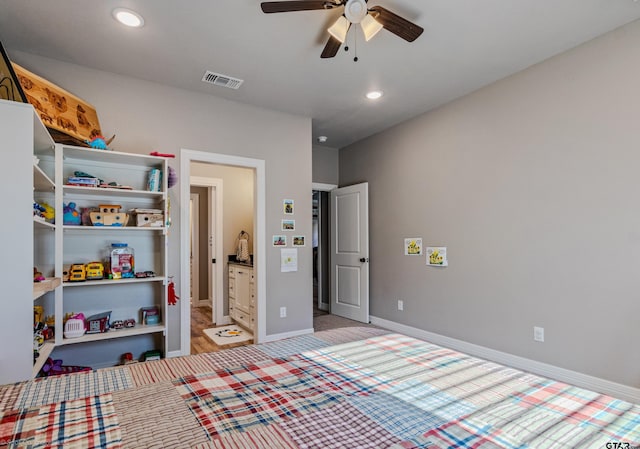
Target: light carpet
point(227, 335)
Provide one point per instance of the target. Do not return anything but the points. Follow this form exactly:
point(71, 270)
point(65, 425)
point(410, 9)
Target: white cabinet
point(242, 295)
point(82, 244)
point(25, 243)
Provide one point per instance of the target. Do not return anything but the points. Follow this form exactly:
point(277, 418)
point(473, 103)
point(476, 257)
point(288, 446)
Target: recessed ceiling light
point(322, 139)
point(128, 17)
point(374, 95)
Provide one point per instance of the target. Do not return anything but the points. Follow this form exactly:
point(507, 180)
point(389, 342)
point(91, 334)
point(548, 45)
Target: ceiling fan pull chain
point(355, 44)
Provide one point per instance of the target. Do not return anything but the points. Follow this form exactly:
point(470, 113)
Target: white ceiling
point(466, 44)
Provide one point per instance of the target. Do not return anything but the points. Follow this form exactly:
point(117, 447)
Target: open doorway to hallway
point(320, 240)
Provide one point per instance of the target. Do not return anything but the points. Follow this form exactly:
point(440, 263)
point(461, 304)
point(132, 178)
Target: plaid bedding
point(348, 388)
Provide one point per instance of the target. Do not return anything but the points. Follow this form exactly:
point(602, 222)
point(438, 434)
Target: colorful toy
point(77, 273)
point(71, 215)
point(49, 213)
point(37, 276)
point(55, 367)
point(38, 211)
point(99, 142)
point(98, 323)
point(94, 270)
point(109, 215)
point(173, 298)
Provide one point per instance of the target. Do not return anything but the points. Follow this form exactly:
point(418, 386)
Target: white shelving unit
point(26, 242)
point(81, 244)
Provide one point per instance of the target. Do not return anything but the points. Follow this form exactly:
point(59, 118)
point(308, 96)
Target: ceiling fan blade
point(396, 24)
point(297, 5)
point(332, 47)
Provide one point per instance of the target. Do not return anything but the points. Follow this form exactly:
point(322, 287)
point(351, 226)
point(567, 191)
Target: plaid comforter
point(347, 388)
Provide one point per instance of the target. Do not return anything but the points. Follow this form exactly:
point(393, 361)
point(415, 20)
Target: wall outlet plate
point(538, 334)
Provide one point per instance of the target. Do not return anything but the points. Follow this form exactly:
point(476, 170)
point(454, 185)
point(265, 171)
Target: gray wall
point(533, 185)
point(147, 116)
point(325, 165)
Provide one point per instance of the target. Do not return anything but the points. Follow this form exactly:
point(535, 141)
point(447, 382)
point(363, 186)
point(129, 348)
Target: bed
point(345, 388)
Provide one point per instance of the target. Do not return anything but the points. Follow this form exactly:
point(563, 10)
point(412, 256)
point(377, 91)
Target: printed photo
point(288, 225)
point(298, 240)
point(279, 240)
point(287, 206)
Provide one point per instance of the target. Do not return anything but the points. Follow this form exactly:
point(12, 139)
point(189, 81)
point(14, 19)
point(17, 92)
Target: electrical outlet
point(400, 304)
point(538, 334)
point(283, 312)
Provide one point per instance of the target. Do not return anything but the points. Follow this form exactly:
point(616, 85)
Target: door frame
point(194, 218)
point(215, 228)
point(259, 231)
point(316, 186)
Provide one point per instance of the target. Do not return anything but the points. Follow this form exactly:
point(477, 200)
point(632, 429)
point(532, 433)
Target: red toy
point(173, 298)
point(155, 153)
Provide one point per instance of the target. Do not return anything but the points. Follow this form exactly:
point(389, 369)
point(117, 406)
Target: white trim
point(194, 223)
point(592, 383)
point(259, 231)
point(323, 187)
point(215, 183)
point(282, 336)
point(172, 354)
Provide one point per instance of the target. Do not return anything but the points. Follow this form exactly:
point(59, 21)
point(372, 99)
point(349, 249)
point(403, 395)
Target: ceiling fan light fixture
point(370, 27)
point(128, 17)
point(339, 29)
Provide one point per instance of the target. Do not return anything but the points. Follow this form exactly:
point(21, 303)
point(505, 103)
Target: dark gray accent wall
point(533, 185)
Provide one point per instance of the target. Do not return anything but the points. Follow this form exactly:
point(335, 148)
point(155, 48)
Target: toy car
point(94, 270)
point(77, 273)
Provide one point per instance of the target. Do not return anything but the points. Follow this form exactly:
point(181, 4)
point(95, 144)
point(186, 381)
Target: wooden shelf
point(44, 352)
point(80, 228)
point(112, 282)
point(140, 329)
point(110, 192)
point(42, 287)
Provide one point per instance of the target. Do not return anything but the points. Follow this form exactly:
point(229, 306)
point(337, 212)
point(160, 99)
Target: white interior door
point(350, 252)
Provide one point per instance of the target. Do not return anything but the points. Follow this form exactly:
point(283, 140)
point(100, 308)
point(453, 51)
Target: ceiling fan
point(371, 20)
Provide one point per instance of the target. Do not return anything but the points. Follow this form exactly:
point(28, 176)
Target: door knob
point(363, 260)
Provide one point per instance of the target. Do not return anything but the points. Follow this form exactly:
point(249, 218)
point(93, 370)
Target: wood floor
point(200, 343)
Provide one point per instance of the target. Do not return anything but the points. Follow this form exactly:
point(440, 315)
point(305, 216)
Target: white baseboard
point(592, 383)
point(171, 354)
point(276, 337)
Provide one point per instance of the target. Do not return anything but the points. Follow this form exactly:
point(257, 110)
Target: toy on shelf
point(148, 218)
point(94, 270)
point(109, 215)
point(37, 276)
point(127, 359)
point(49, 213)
point(99, 142)
point(77, 273)
point(74, 326)
point(38, 211)
point(71, 215)
point(98, 323)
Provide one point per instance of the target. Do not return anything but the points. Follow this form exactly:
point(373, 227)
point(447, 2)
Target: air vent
point(222, 80)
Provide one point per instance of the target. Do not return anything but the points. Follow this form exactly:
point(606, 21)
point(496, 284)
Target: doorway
point(191, 162)
point(207, 237)
point(321, 244)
